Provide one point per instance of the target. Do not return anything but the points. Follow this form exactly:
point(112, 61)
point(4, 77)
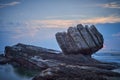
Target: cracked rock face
point(80, 40)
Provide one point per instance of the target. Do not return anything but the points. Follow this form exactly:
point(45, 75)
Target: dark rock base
point(52, 66)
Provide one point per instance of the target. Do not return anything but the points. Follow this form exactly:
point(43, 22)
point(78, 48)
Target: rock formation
point(33, 57)
point(54, 66)
point(78, 43)
point(30, 57)
point(80, 40)
point(3, 59)
point(71, 72)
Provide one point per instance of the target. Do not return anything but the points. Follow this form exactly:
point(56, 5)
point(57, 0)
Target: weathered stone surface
point(94, 39)
point(80, 40)
point(71, 72)
point(33, 57)
point(29, 56)
point(87, 37)
point(3, 59)
point(62, 41)
point(54, 66)
point(43, 56)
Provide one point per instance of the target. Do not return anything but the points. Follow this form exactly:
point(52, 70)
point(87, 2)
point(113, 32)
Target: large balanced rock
point(84, 40)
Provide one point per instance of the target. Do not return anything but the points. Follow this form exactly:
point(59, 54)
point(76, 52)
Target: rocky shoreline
point(73, 63)
point(58, 66)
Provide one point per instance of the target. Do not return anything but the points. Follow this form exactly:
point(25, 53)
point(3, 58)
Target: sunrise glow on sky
point(35, 22)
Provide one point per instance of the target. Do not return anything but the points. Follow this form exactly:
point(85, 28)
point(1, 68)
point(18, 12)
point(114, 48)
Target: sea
point(7, 71)
point(108, 56)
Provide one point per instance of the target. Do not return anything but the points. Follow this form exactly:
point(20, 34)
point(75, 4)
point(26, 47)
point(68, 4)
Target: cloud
point(52, 23)
point(116, 35)
point(18, 29)
point(111, 5)
point(66, 16)
point(101, 20)
point(9, 4)
point(23, 30)
point(66, 23)
point(21, 33)
point(47, 27)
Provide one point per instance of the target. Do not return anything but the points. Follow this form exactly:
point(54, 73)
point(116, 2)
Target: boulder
point(80, 40)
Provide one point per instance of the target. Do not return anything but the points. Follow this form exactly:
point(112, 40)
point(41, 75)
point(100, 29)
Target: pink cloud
point(32, 28)
point(66, 23)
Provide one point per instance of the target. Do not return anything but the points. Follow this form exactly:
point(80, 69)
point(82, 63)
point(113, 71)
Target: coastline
point(52, 64)
point(22, 77)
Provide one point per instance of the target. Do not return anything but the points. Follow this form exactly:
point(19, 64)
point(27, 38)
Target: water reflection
point(7, 73)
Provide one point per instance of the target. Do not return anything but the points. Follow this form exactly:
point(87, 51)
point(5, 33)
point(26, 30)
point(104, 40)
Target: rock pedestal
point(80, 40)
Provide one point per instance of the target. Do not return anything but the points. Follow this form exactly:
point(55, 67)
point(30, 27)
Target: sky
point(35, 22)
